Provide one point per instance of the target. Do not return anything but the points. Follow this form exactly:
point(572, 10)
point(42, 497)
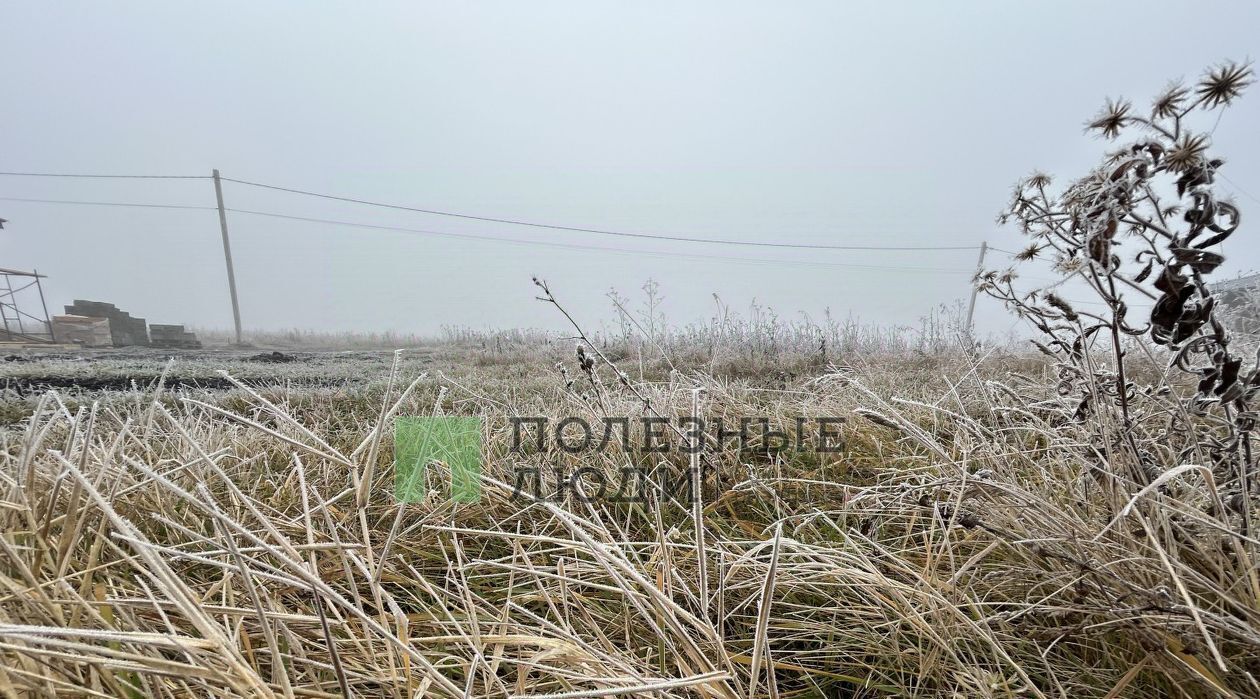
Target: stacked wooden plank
point(82, 330)
point(1238, 303)
point(172, 336)
point(124, 330)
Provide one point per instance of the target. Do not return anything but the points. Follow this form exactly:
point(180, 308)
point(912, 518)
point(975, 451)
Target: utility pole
point(971, 307)
point(227, 257)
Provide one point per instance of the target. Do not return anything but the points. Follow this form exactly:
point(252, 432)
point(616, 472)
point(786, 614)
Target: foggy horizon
point(811, 125)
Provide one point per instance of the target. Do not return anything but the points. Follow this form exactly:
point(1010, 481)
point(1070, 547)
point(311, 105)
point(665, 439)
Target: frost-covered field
point(204, 537)
point(127, 368)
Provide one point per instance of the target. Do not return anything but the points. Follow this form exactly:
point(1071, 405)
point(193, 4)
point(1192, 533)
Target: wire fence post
point(227, 256)
point(971, 307)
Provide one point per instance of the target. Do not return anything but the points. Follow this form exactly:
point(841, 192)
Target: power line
point(1237, 187)
point(107, 203)
point(1012, 253)
point(598, 231)
point(490, 238)
point(109, 177)
point(597, 248)
point(514, 222)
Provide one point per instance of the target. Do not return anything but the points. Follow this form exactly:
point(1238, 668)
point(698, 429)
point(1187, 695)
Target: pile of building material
point(99, 324)
point(82, 330)
point(1238, 304)
point(173, 336)
point(124, 329)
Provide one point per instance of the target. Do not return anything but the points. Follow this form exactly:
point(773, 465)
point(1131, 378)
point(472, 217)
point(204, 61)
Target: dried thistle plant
point(1146, 221)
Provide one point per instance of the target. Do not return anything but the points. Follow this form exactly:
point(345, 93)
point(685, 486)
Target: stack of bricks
point(124, 330)
point(82, 330)
point(172, 336)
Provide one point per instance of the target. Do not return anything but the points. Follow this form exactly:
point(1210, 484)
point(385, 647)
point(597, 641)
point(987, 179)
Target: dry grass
point(970, 541)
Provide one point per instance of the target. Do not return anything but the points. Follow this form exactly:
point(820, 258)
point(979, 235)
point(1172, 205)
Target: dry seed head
point(1039, 180)
point(1112, 118)
point(1188, 152)
point(1062, 306)
point(1029, 253)
point(1069, 265)
point(1170, 101)
point(1224, 83)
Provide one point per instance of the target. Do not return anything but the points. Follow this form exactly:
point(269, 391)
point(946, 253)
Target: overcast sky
point(808, 122)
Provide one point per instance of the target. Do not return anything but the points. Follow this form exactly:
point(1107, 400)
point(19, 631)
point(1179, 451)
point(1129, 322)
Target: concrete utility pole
point(971, 307)
point(227, 257)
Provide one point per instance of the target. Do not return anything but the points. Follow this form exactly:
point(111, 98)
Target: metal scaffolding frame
point(21, 325)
